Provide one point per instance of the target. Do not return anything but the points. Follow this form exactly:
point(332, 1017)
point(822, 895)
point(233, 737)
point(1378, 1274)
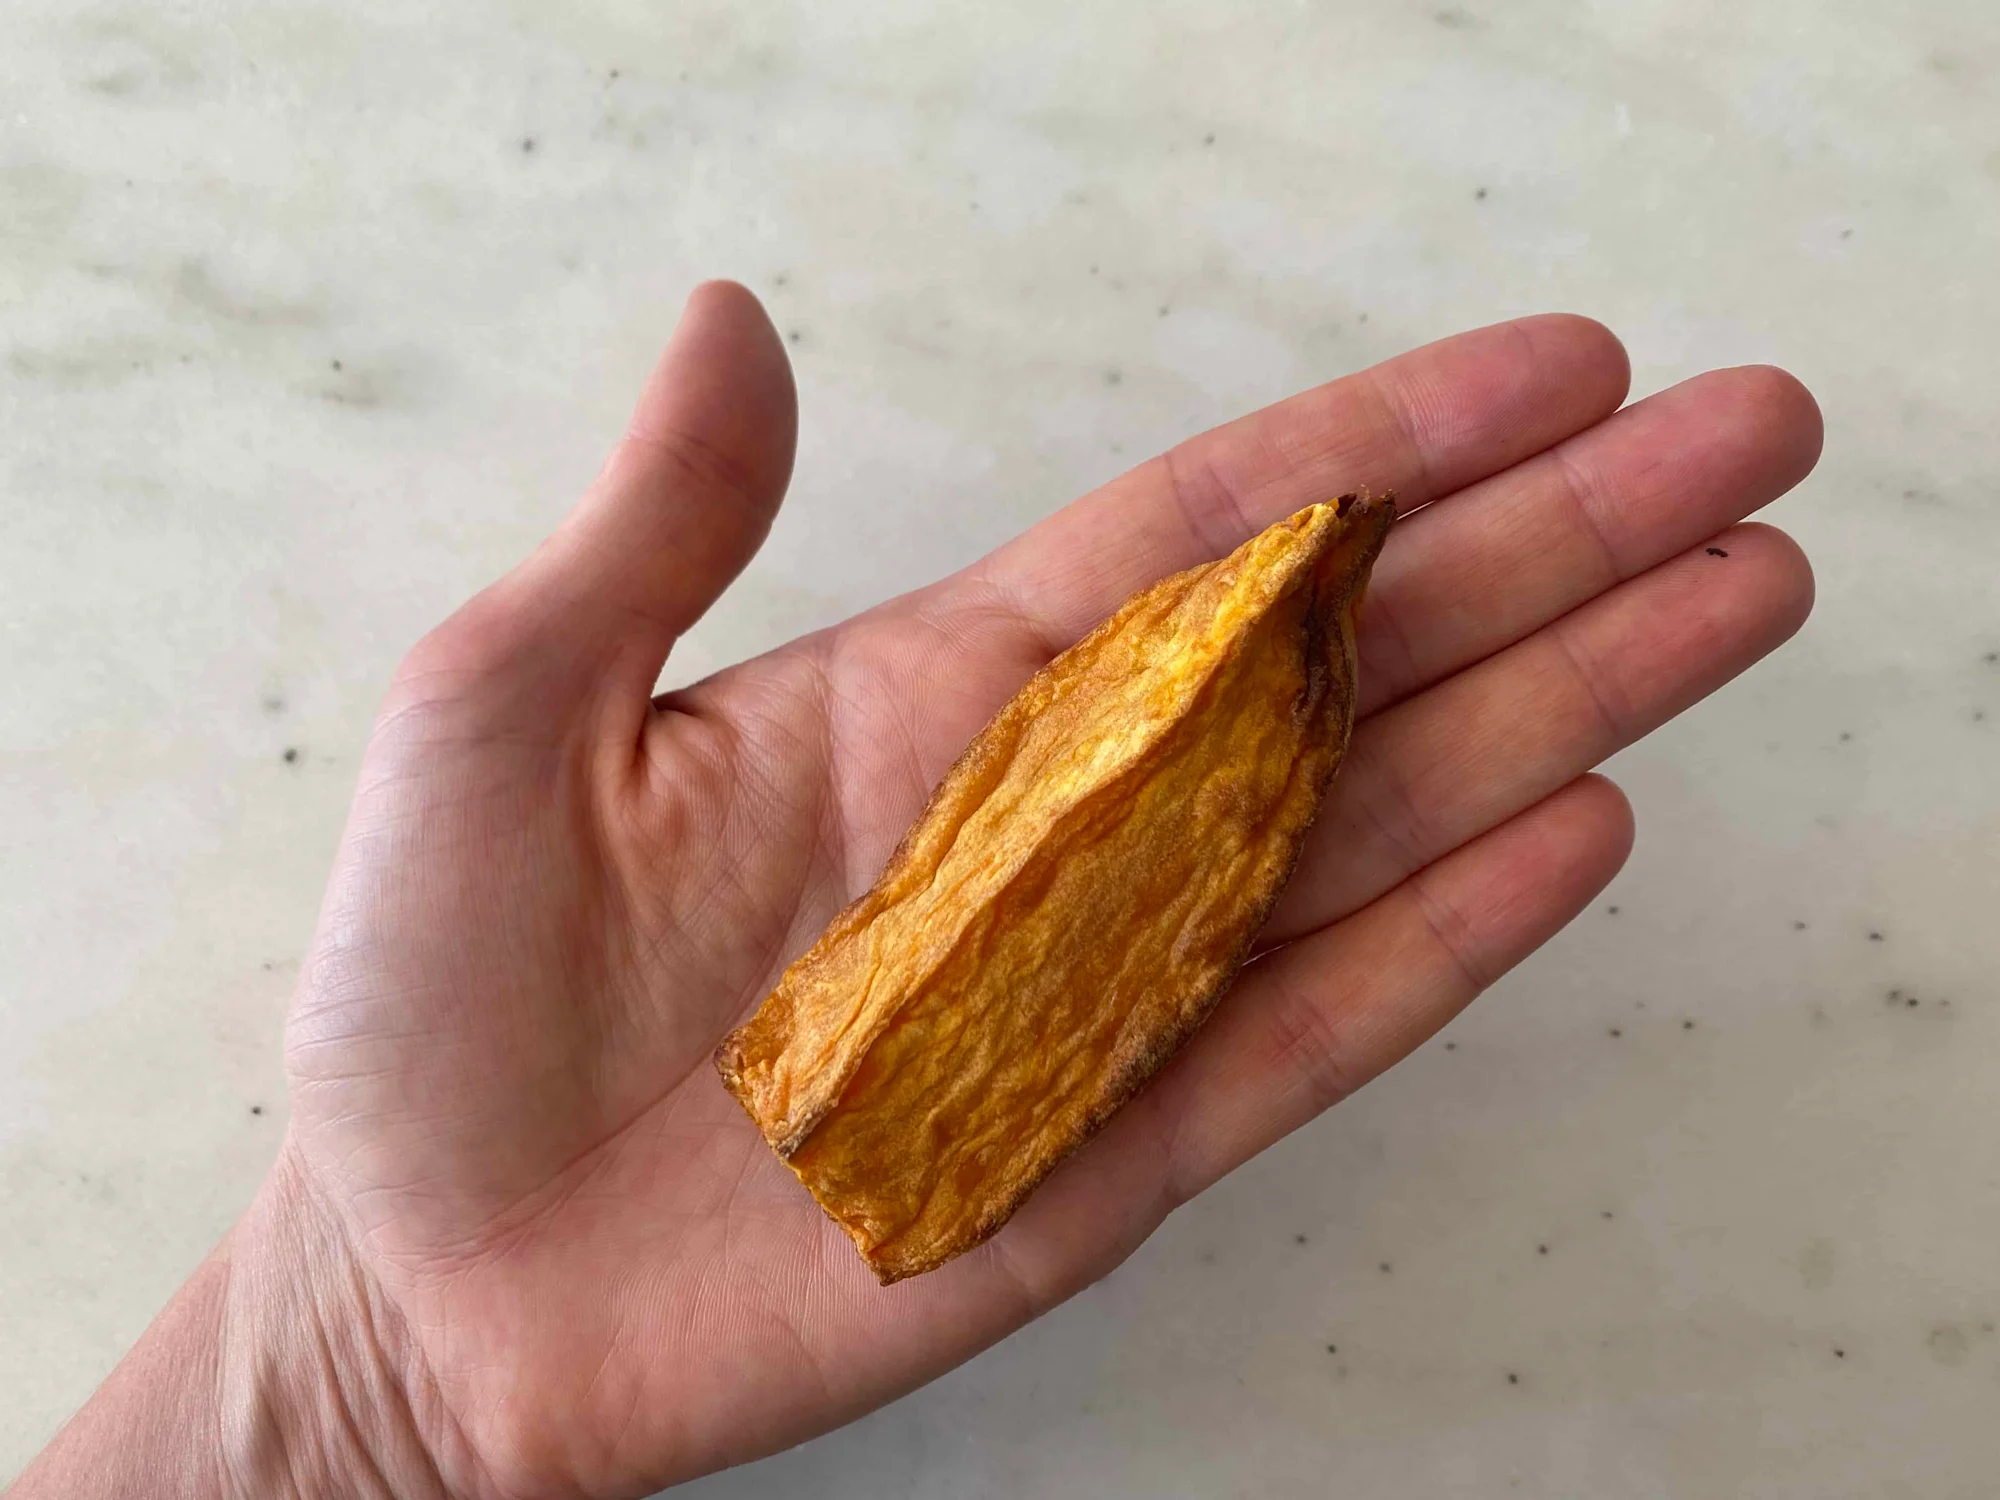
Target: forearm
point(270, 1374)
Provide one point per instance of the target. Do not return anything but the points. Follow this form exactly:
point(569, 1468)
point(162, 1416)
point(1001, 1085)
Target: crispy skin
point(1078, 894)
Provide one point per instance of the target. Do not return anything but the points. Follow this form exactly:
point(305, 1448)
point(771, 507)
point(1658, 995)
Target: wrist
point(319, 1389)
point(278, 1370)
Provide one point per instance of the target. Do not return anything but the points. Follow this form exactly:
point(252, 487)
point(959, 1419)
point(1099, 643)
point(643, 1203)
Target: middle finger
point(1495, 562)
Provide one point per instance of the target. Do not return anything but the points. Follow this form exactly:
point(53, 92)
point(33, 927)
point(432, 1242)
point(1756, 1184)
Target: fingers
point(1308, 1026)
point(1424, 424)
point(1464, 756)
point(685, 500)
point(1502, 558)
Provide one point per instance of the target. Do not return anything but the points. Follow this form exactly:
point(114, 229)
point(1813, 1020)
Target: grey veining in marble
point(313, 316)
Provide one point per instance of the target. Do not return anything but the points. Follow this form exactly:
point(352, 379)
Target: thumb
point(686, 498)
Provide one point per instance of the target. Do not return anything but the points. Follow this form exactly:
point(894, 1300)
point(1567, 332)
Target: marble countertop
point(313, 318)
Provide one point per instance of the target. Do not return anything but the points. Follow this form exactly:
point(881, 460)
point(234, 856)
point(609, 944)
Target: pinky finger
point(1309, 1025)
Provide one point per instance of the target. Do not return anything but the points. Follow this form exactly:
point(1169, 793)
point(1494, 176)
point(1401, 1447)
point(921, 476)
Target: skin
point(519, 1242)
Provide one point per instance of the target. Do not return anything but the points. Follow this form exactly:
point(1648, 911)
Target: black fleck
point(1687, 1026)
point(291, 755)
point(256, 1109)
point(337, 366)
point(1114, 377)
point(1798, 926)
point(1480, 195)
point(1840, 1354)
point(612, 74)
point(1385, 1268)
point(1209, 139)
point(1163, 309)
point(793, 335)
point(527, 145)
point(1845, 736)
point(1847, 234)
point(1541, 1249)
point(1615, 1031)
point(1992, 658)
point(273, 703)
point(1874, 937)
point(1512, 1378)
point(1451, 1046)
point(1299, 1239)
point(1606, 1213)
point(1612, 909)
point(1717, 552)
point(1911, 1002)
point(1333, 1349)
point(781, 279)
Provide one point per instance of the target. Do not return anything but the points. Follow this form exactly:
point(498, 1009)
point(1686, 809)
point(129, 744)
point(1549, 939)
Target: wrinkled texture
point(1079, 892)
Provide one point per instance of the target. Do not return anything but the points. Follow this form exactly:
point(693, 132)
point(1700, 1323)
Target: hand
point(542, 1252)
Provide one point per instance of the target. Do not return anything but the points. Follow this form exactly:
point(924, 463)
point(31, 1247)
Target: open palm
point(581, 1265)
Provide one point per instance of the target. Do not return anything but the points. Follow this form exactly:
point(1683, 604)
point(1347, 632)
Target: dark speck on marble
point(1605, 1214)
point(1617, 1031)
point(1451, 1046)
point(1687, 1026)
point(1480, 195)
point(1163, 309)
point(1612, 910)
point(527, 145)
point(1386, 1268)
point(1874, 937)
point(1798, 926)
point(1114, 377)
point(1209, 139)
point(256, 1109)
point(1298, 1239)
point(1451, 18)
point(291, 755)
point(1333, 1349)
point(1512, 1378)
point(1840, 1354)
point(793, 335)
point(1541, 1249)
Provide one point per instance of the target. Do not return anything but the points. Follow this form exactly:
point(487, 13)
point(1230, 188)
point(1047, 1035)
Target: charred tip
point(1365, 503)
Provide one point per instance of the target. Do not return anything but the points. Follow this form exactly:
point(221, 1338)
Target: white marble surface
point(312, 317)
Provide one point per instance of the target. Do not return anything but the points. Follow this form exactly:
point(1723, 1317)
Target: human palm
point(586, 1271)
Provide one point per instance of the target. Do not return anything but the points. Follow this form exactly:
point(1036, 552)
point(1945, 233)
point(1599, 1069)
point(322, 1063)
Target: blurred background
point(315, 317)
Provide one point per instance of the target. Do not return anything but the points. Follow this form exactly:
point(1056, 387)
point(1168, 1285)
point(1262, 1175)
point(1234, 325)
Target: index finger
point(1423, 424)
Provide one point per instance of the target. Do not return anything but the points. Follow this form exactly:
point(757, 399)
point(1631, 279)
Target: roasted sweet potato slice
point(1076, 897)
